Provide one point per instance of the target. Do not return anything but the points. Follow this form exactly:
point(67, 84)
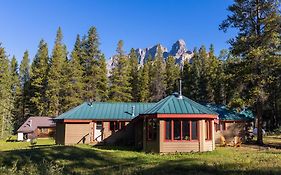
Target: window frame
point(154, 129)
point(181, 130)
point(208, 130)
point(117, 125)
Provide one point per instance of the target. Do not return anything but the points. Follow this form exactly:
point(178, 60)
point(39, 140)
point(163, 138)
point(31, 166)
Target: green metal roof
point(228, 114)
point(105, 111)
point(175, 105)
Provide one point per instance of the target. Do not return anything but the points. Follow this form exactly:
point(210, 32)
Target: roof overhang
point(194, 116)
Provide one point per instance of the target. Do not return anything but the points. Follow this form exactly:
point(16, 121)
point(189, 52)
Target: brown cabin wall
point(173, 146)
point(49, 132)
point(76, 133)
point(60, 133)
point(124, 136)
point(149, 145)
point(199, 145)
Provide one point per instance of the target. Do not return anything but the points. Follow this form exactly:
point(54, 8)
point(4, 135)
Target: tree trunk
point(259, 117)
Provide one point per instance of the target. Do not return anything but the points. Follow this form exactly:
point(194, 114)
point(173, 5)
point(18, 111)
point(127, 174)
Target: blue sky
point(140, 23)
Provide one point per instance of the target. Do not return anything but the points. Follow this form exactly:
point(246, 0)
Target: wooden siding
point(149, 145)
point(76, 133)
point(187, 146)
point(43, 132)
point(176, 146)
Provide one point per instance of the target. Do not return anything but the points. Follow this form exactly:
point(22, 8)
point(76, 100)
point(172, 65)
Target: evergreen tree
point(258, 40)
point(16, 92)
point(90, 59)
point(6, 100)
point(102, 80)
point(172, 75)
point(195, 76)
point(74, 76)
point(204, 84)
point(158, 77)
point(120, 89)
point(38, 80)
point(134, 81)
point(144, 93)
point(187, 79)
point(56, 78)
point(24, 74)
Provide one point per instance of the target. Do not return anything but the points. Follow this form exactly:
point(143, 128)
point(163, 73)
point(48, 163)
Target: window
point(151, 129)
point(99, 125)
point(180, 130)
point(123, 125)
point(223, 126)
point(208, 133)
point(44, 130)
point(185, 130)
point(177, 130)
point(112, 126)
point(168, 130)
point(218, 127)
point(116, 125)
point(194, 130)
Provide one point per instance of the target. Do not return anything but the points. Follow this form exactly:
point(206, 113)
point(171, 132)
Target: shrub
point(29, 168)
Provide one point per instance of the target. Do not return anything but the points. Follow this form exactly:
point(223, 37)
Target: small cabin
point(36, 127)
point(176, 124)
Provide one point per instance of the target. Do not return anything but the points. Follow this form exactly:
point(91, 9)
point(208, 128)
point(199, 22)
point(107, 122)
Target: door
point(98, 131)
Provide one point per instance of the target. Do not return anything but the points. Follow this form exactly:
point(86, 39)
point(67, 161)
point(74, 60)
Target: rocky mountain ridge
point(179, 51)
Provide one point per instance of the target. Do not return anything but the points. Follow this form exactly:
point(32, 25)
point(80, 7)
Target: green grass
point(85, 159)
point(5, 146)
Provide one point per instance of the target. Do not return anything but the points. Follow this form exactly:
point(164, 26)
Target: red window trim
point(209, 130)
point(147, 133)
point(117, 125)
point(181, 140)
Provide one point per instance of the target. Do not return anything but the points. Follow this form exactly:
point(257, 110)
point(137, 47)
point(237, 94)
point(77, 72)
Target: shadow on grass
point(121, 148)
point(189, 166)
point(85, 160)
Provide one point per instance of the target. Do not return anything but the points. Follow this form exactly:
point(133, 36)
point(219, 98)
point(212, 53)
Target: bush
point(29, 168)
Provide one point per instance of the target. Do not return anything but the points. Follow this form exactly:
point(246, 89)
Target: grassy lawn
point(85, 159)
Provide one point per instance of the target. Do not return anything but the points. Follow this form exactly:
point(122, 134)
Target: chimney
point(133, 111)
point(180, 91)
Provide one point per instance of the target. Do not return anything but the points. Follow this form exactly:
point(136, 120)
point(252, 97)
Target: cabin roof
point(34, 122)
point(226, 113)
point(106, 111)
point(176, 104)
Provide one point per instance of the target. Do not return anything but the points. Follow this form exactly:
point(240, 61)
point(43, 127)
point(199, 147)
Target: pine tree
point(56, 78)
point(187, 79)
point(39, 81)
point(24, 74)
point(158, 77)
point(90, 58)
point(120, 89)
point(172, 75)
point(195, 77)
point(102, 80)
point(258, 41)
point(134, 75)
point(144, 93)
point(74, 77)
point(16, 92)
point(6, 101)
